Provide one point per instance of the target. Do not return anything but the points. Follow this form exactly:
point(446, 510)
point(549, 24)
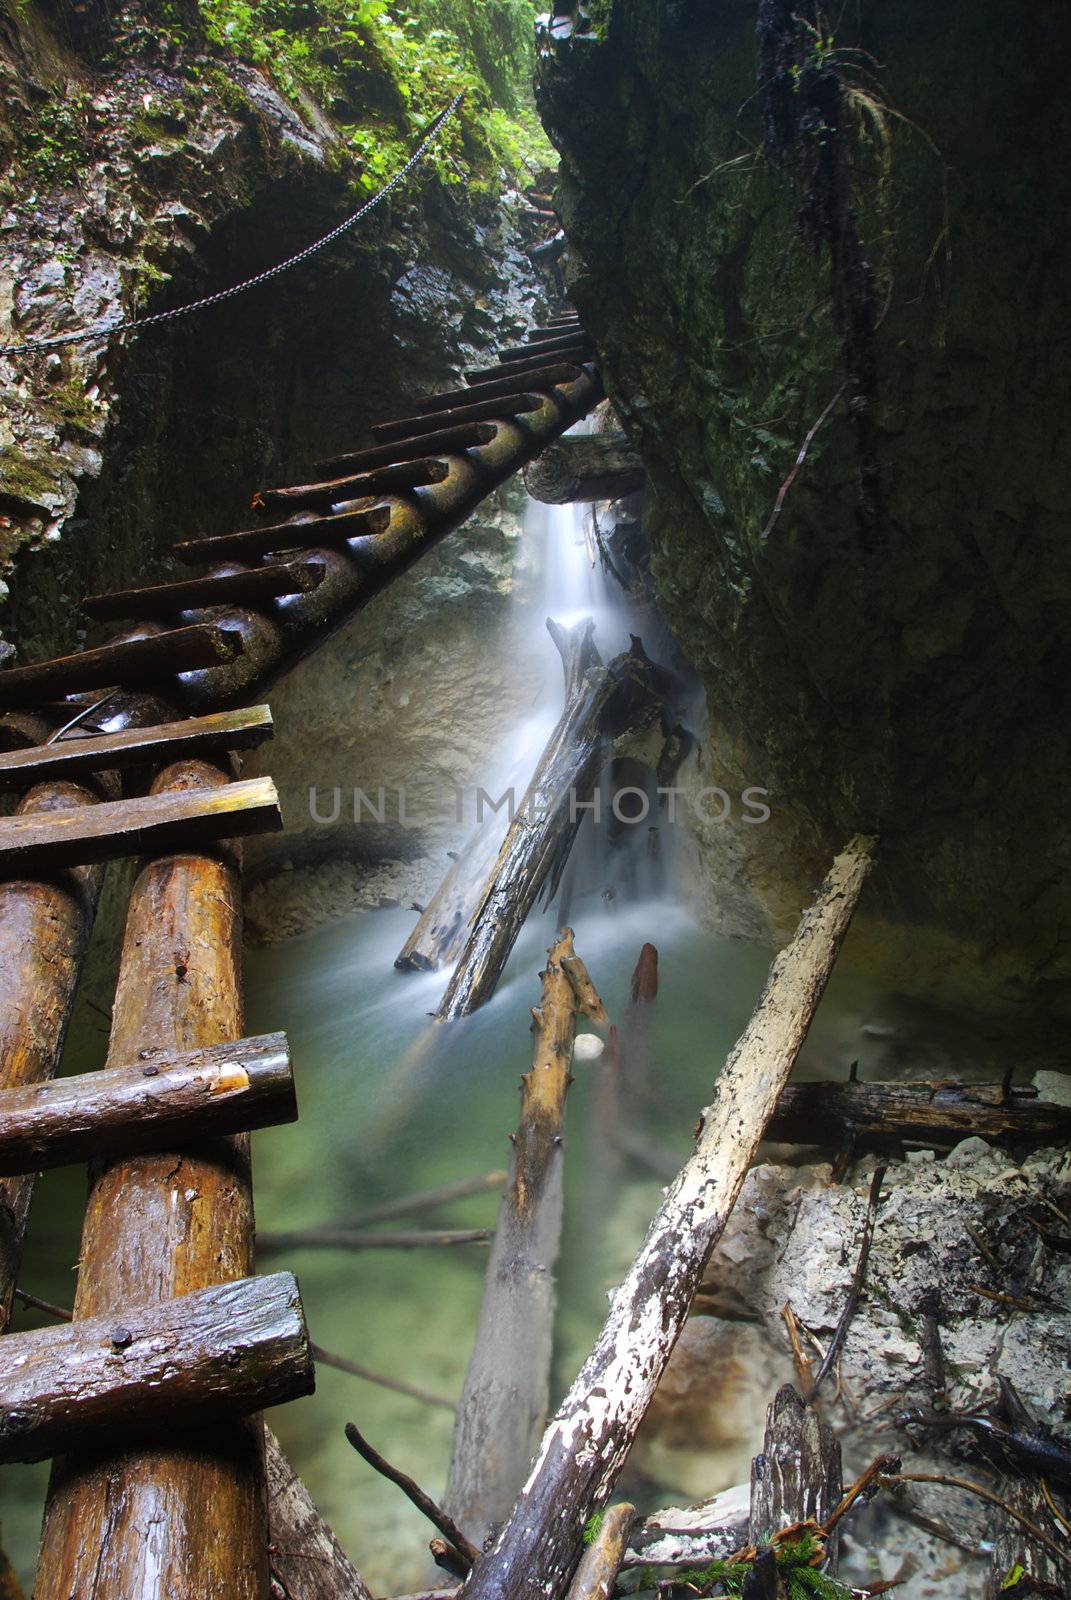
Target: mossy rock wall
point(912, 686)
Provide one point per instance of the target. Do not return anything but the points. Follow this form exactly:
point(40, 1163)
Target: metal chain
point(105, 330)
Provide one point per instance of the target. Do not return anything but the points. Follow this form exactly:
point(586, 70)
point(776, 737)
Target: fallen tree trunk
point(877, 1114)
point(600, 703)
point(307, 1562)
point(599, 466)
point(586, 1445)
point(503, 1405)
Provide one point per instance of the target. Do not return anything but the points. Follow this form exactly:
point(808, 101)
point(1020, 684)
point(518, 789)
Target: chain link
point(106, 330)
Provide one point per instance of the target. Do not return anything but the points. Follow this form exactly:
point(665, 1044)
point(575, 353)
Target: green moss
point(51, 141)
point(24, 478)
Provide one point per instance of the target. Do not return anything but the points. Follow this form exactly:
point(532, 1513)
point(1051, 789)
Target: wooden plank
point(444, 441)
point(218, 1353)
point(308, 533)
point(578, 351)
point(541, 378)
point(390, 478)
point(477, 409)
point(159, 1103)
point(80, 753)
point(153, 824)
point(129, 662)
point(253, 587)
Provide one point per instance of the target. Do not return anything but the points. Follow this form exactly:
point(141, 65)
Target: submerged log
point(599, 467)
point(503, 1405)
point(600, 703)
point(588, 1442)
point(180, 1364)
point(798, 1475)
point(307, 1561)
point(155, 1104)
point(156, 1227)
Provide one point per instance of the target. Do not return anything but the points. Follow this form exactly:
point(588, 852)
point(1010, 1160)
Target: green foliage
point(592, 1527)
point(794, 1564)
point(51, 144)
point(383, 68)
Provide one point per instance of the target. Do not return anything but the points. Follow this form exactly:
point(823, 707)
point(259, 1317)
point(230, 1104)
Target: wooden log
point(81, 753)
point(253, 586)
point(692, 1536)
point(540, 379)
point(476, 409)
point(30, 843)
point(548, 347)
point(596, 1576)
point(798, 1474)
point(443, 925)
point(218, 1353)
point(503, 1405)
point(394, 478)
point(577, 352)
point(130, 662)
point(307, 1561)
point(600, 466)
point(300, 533)
point(440, 442)
point(587, 1443)
point(172, 1518)
point(160, 1103)
point(600, 702)
point(1015, 1551)
point(44, 933)
point(880, 1115)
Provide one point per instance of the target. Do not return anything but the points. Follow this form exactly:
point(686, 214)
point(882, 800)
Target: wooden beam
point(539, 378)
point(252, 587)
point(182, 1364)
point(30, 843)
point(396, 477)
point(476, 409)
point(443, 441)
point(129, 662)
point(577, 352)
point(158, 1226)
point(306, 533)
point(588, 1442)
point(160, 1103)
point(80, 753)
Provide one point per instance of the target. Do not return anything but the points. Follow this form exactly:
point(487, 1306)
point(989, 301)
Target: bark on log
point(252, 586)
point(503, 1405)
point(80, 753)
point(148, 659)
point(305, 531)
point(159, 1103)
point(307, 1561)
point(600, 702)
point(881, 1114)
point(599, 467)
point(693, 1536)
point(178, 1365)
point(44, 932)
point(798, 1474)
point(167, 1519)
point(31, 843)
point(1013, 1547)
point(596, 1576)
point(586, 1445)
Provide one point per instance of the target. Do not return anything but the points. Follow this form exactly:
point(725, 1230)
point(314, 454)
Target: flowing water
point(391, 1105)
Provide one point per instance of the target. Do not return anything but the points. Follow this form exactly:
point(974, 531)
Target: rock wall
point(905, 678)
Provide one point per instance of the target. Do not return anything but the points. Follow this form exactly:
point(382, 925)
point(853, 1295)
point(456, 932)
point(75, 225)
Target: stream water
point(391, 1105)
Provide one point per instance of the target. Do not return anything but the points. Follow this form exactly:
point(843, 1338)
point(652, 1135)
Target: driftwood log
point(503, 1405)
point(150, 1105)
point(600, 702)
point(587, 1443)
point(598, 466)
point(218, 1353)
point(307, 1561)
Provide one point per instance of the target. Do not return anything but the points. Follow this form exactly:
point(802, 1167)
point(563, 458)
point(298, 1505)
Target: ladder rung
point(479, 409)
point(545, 347)
point(147, 1371)
point(307, 533)
point(251, 587)
point(81, 753)
point(395, 478)
point(127, 662)
point(446, 441)
point(162, 1102)
point(542, 378)
point(40, 841)
point(578, 351)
